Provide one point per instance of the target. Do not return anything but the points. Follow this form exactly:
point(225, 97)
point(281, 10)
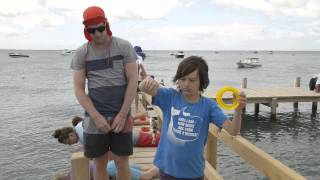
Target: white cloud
point(296, 35)
point(296, 8)
point(197, 37)
point(19, 17)
point(224, 36)
point(26, 15)
point(121, 9)
point(141, 9)
point(15, 7)
point(148, 22)
point(8, 31)
point(199, 33)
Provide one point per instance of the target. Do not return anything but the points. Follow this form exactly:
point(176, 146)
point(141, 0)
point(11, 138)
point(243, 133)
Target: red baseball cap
point(92, 16)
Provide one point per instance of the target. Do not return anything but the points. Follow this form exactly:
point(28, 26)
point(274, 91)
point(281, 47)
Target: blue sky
point(166, 24)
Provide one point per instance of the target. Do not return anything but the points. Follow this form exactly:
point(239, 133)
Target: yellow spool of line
point(235, 100)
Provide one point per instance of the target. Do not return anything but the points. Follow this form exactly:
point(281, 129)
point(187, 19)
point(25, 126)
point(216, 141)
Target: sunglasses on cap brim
point(99, 28)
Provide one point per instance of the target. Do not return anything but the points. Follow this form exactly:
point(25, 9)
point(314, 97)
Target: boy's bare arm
point(149, 86)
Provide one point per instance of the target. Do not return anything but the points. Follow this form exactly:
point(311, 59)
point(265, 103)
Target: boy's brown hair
point(190, 64)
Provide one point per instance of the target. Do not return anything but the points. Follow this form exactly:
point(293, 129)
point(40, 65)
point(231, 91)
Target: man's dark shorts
point(96, 145)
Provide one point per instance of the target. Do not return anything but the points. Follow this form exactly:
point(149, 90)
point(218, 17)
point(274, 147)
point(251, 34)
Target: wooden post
point(80, 167)
point(297, 85)
point(256, 108)
point(314, 108)
point(273, 108)
point(211, 150)
point(244, 85)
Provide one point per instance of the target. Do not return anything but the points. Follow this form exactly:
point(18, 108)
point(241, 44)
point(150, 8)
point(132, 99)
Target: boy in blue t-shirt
point(186, 119)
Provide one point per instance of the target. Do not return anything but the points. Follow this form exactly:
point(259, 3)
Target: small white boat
point(66, 52)
point(17, 55)
point(249, 63)
point(180, 54)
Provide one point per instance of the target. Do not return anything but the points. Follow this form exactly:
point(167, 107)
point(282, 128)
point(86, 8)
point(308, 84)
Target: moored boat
point(249, 63)
point(66, 52)
point(180, 54)
point(17, 55)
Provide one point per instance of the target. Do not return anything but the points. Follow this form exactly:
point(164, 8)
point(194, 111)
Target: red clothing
point(145, 139)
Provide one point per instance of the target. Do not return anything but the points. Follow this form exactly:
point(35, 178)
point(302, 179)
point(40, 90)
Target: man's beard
point(101, 40)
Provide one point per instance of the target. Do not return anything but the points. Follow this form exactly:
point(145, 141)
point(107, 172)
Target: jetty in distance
point(272, 96)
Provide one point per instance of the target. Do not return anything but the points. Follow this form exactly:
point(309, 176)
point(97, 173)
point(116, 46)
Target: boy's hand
point(149, 86)
point(242, 101)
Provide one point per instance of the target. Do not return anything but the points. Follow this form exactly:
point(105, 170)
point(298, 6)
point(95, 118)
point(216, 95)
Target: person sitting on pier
point(73, 135)
point(141, 72)
point(70, 135)
point(186, 119)
point(140, 118)
point(314, 84)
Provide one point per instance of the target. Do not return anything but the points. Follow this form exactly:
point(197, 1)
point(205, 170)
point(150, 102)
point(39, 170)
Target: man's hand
point(119, 122)
point(102, 124)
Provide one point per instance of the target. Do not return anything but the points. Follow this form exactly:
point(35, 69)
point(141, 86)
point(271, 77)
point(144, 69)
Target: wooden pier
point(272, 96)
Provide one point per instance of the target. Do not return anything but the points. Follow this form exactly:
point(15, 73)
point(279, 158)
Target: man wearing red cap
point(108, 64)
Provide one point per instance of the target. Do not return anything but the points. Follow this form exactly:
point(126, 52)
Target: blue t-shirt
point(79, 131)
point(184, 132)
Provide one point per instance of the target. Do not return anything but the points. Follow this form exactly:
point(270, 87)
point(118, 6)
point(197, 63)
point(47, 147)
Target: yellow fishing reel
point(235, 99)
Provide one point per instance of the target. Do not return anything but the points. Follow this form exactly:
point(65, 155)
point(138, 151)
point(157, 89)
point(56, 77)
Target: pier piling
point(314, 108)
point(297, 85)
point(244, 86)
point(273, 106)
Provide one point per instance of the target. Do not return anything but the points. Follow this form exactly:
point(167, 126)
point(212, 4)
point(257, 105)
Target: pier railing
point(251, 154)
point(263, 162)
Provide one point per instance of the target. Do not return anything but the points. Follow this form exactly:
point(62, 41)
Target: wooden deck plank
point(142, 160)
point(143, 155)
point(144, 149)
point(252, 92)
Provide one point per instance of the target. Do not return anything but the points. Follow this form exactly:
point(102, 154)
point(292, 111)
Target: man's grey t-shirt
point(105, 71)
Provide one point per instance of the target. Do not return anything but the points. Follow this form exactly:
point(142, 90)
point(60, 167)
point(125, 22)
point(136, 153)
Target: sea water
point(37, 97)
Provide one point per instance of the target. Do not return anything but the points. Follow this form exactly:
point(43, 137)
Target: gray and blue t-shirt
point(106, 78)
